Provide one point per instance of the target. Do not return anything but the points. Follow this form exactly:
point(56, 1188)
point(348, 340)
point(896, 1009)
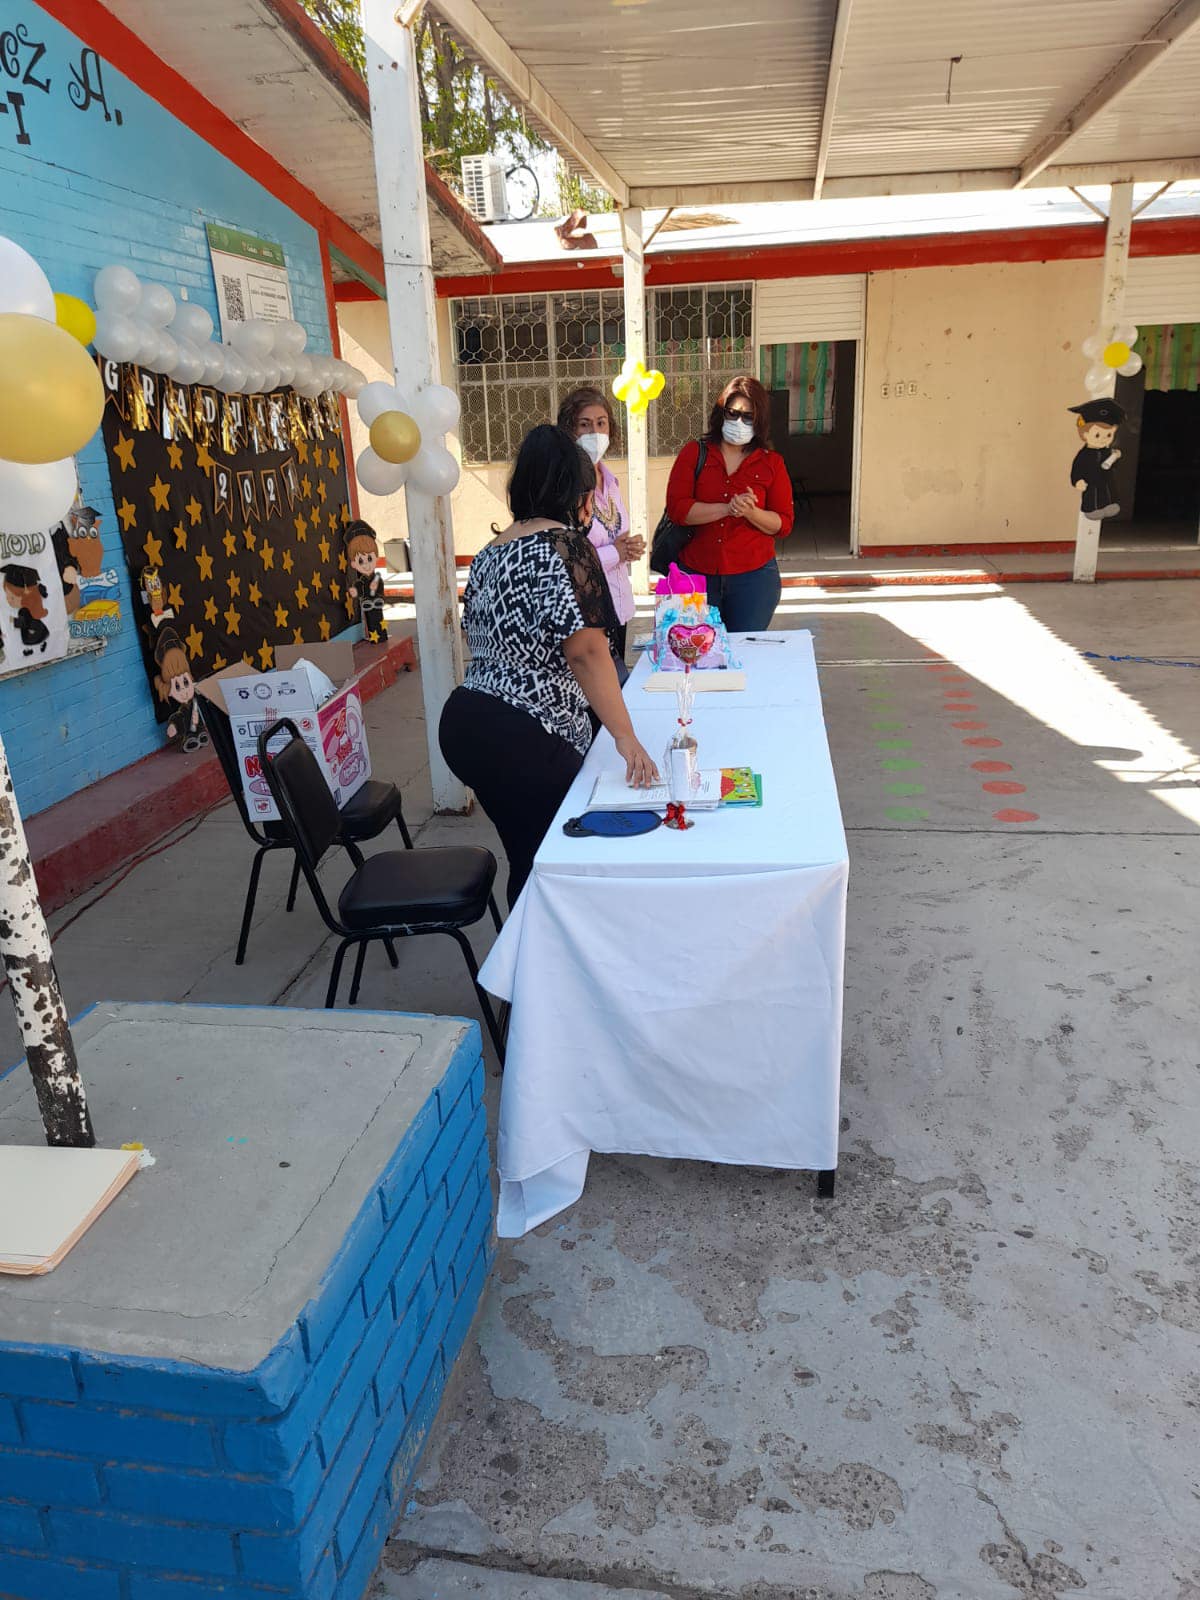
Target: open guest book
point(49, 1198)
point(612, 793)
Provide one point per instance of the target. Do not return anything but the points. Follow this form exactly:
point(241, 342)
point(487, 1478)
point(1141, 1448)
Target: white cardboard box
point(335, 733)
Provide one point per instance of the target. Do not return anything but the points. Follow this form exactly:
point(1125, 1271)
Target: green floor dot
point(905, 814)
point(886, 727)
point(900, 764)
point(893, 744)
point(904, 788)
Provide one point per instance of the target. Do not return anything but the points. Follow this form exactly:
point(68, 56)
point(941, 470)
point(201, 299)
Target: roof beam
point(1182, 19)
point(469, 25)
point(833, 82)
point(877, 185)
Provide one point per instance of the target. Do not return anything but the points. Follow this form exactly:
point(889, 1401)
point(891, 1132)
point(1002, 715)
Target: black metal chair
point(364, 816)
point(396, 894)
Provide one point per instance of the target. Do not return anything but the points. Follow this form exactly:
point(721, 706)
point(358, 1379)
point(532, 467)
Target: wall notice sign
point(251, 277)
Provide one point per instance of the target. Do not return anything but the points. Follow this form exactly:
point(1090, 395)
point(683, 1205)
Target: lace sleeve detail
point(592, 594)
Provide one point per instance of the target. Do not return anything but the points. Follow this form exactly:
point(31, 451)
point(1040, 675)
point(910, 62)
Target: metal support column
point(633, 251)
point(1112, 314)
point(412, 320)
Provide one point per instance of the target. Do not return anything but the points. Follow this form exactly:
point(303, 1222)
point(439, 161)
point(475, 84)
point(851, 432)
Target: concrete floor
point(970, 1376)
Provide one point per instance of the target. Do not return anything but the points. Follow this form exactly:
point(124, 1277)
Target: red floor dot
point(968, 724)
point(984, 744)
point(1002, 786)
point(958, 694)
point(1014, 816)
point(990, 766)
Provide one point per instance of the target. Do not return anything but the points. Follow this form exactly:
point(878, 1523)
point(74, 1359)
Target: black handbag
point(670, 540)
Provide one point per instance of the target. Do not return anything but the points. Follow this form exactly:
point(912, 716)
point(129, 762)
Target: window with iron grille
point(517, 356)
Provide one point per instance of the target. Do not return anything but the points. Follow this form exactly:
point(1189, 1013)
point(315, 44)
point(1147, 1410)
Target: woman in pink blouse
point(587, 416)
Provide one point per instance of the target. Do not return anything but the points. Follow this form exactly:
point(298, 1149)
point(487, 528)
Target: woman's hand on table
point(630, 546)
point(640, 771)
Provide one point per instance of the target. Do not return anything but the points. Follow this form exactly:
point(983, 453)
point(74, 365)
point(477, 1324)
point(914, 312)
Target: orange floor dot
point(1014, 816)
point(990, 766)
point(983, 744)
point(1002, 786)
point(968, 724)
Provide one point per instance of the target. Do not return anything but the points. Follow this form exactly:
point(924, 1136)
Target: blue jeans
point(746, 600)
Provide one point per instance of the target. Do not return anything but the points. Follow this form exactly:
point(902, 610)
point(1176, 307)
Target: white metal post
point(1112, 314)
point(33, 983)
point(633, 233)
point(408, 275)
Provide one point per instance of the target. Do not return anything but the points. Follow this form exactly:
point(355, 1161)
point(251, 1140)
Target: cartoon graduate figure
point(174, 681)
point(26, 596)
point(1097, 421)
point(362, 552)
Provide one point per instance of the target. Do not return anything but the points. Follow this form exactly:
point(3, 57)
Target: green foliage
point(576, 194)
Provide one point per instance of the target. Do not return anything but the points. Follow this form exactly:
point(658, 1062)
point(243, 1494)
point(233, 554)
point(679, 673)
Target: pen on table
point(771, 638)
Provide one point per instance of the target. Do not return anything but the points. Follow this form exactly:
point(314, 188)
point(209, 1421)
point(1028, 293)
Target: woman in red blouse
point(740, 504)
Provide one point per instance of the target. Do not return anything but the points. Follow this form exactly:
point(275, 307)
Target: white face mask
point(737, 432)
point(593, 444)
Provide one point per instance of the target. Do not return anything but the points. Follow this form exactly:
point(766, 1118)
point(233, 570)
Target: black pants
point(519, 772)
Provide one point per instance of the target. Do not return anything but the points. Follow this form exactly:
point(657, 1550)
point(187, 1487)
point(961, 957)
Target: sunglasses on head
point(735, 415)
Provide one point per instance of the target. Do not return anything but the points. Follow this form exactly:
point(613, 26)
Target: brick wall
point(129, 1480)
point(82, 193)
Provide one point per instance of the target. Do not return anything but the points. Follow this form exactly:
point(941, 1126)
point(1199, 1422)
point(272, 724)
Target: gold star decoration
point(335, 589)
point(323, 547)
point(297, 636)
point(343, 564)
point(266, 655)
point(247, 658)
point(153, 549)
point(203, 460)
point(348, 602)
point(249, 536)
point(180, 533)
point(127, 514)
point(322, 491)
point(267, 553)
point(160, 493)
point(302, 452)
point(280, 617)
point(345, 513)
point(301, 527)
point(254, 595)
point(288, 563)
point(123, 450)
point(233, 620)
point(230, 543)
point(175, 597)
point(194, 510)
point(318, 457)
point(316, 580)
point(194, 641)
point(306, 487)
point(332, 520)
point(325, 629)
point(301, 596)
point(210, 610)
point(334, 463)
point(175, 456)
point(204, 562)
point(219, 662)
point(235, 583)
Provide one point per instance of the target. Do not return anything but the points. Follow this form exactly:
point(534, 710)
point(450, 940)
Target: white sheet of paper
point(49, 1197)
point(612, 793)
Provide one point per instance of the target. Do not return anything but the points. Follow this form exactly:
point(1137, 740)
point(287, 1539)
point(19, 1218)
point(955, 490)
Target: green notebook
point(741, 786)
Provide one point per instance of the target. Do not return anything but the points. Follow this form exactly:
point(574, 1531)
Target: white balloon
point(1132, 367)
point(1096, 380)
point(433, 469)
point(254, 378)
point(191, 364)
point(290, 338)
point(1093, 347)
point(117, 336)
point(436, 410)
point(287, 369)
point(214, 362)
point(376, 398)
point(116, 288)
point(168, 353)
point(192, 323)
point(355, 383)
point(36, 497)
point(253, 339)
point(270, 376)
point(1126, 333)
point(303, 370)
point(149, 344)
point(157, 305)
point(24, 287)
point(236, 373)
point(378, 476)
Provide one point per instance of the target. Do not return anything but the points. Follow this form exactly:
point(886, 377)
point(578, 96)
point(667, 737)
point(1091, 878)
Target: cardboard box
point(335, 732)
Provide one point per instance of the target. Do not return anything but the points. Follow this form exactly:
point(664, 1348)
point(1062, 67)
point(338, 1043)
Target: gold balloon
point(1116, 354)
point(51, 396)
point(395, 437)
point(76, 316)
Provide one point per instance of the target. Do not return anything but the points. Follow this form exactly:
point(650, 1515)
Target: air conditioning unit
point(484, 188)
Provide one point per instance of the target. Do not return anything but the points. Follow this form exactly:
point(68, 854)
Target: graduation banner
point(231, 516)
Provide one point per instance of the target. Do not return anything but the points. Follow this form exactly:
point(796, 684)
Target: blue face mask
point(736, 431)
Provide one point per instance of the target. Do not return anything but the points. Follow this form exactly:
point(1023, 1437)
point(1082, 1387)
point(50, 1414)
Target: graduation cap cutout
point(1105, 411)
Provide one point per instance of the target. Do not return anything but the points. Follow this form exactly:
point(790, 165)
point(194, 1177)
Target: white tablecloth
point(681, 994)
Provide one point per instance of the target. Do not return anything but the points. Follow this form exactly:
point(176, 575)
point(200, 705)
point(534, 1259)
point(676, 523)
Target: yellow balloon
point(657, 384)
point(395, 437)
point(76, 316)
point(51, 396)
point(1116, 354)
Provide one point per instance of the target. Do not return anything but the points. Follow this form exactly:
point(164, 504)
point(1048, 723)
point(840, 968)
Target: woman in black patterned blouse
point(539, 621)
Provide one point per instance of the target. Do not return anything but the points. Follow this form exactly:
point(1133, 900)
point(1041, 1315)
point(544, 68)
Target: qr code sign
point(234, 303)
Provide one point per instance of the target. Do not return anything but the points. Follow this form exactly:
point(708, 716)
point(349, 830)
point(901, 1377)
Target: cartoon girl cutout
point(1097, 422)
point(26, 596)
point(174, 681)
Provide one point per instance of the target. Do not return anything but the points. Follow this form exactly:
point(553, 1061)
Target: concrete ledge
point(226, 1386)
point(83, 839)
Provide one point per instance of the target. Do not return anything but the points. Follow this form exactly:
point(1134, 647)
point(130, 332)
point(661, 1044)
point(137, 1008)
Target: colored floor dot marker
point(957, 706)
point(902, 789)
point(991, 766)
point(1014, 816)
point(899, 764)
point(985, 744)
point(1001, 786)
point(905, 814)
point(886, 727)
point(893, 744)
point(968, 724)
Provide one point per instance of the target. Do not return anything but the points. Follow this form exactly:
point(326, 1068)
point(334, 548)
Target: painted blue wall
point(84, 192)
